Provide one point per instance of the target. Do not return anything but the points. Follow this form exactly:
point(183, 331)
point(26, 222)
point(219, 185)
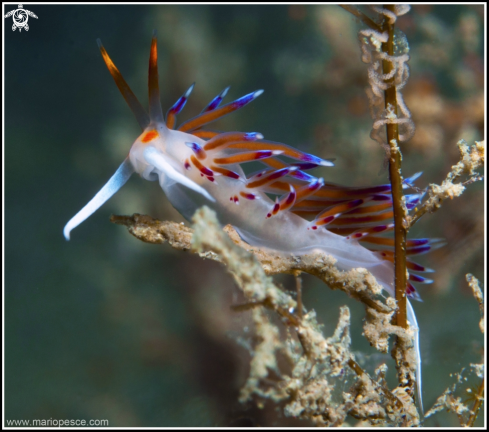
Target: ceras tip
point(306, 157)
point(257, 93)
point(420, 279)
point(253, 136)
point(408, 182)
point(326, 163)
point(187, 93)
point(224, 92)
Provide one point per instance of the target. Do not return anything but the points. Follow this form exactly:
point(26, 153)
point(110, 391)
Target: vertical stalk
point(396, 183)
point(477, 405)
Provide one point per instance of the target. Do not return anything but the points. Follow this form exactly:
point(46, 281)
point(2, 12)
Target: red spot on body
point(149, 136)
point(314, 227)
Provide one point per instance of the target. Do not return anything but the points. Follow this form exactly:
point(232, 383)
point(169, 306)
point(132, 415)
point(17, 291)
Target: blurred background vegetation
point(108, 327)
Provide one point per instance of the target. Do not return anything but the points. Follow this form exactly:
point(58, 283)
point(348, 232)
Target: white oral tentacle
point(118, 180)
point(155, 158)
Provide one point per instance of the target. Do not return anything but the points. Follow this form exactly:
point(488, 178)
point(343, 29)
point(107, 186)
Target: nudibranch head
point(156, 153)
point(154, 136)
point(161, 153)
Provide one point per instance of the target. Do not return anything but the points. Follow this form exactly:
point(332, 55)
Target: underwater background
point(107, 327)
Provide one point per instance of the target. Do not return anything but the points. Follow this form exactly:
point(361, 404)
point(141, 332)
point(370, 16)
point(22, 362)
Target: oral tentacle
point(118, 180)
point(155, 158)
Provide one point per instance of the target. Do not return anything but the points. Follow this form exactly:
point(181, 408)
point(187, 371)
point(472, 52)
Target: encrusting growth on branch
point(318, 363)
point(450, 401)
point(471, 159)
point(476, 290)
point(357, 283)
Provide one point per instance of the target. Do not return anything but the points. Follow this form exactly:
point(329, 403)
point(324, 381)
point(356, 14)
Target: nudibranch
point(195, 166)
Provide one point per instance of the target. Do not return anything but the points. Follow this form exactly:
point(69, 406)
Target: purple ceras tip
point(180, 103)
point(214, 103)
point(281, 172)
point(419, 250)
point(381, 197)
point(418, 242)
point(198, 150)
point(420, 279)
point(355, 203)
point(253, 136)
point(305, 165)
point(307, 157)
point(301, 175)
point(242, 101)
point(413, 178)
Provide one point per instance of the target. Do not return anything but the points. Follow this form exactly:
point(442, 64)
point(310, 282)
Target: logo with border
point(20, 17)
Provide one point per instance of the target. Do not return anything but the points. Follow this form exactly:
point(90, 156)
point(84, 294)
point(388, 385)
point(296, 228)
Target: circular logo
point(20, 17)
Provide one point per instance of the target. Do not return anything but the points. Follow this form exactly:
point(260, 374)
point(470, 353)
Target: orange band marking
point(149, 136)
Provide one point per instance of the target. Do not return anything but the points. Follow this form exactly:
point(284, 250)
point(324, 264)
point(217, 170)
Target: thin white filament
point(111, 187)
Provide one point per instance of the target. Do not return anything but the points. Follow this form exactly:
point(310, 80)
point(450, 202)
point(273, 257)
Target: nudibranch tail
point(118, 180)
point(413, 322)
